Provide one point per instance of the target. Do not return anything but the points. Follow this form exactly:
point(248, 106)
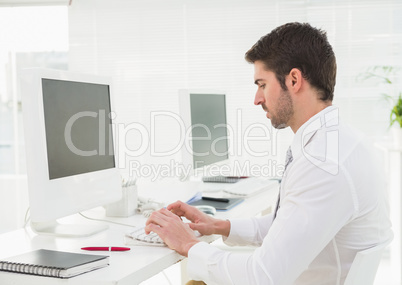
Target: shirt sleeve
point(314, 208)
point(249, 231)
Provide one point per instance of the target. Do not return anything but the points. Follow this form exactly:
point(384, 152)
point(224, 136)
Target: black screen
point(78, 127)
point(208, 120)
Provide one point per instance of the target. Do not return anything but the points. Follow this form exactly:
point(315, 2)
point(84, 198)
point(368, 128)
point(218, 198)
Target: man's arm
point(311, 214)
point(248, 231)
point(308, 219)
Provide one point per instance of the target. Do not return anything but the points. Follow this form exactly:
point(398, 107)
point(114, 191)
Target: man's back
point(350, 190)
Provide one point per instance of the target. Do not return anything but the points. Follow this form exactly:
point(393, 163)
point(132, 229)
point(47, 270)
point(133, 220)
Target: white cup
point(126, 206)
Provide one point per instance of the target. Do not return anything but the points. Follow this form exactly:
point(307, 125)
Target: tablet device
point(219, 206)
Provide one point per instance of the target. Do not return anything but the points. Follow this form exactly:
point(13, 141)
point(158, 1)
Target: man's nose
point(259, 98)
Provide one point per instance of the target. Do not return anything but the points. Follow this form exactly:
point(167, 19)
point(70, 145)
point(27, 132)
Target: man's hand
point(205, 224)
point(179, 235)
point(174, 232)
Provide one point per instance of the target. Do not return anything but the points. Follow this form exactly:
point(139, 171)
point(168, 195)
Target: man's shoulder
point(330, 146)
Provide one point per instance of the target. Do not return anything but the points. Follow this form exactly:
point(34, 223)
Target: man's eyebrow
point(257, 81)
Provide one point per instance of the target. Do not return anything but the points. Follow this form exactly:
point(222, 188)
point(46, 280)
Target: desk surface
point(131, 267)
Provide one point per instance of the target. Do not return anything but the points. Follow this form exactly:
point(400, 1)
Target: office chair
point(364, 266)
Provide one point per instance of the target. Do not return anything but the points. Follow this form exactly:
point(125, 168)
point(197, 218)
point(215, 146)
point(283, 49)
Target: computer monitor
point(204, 116)
point(71, 166)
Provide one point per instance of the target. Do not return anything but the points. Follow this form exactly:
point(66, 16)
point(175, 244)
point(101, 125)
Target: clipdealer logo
point(147, 143)
point(324, 156)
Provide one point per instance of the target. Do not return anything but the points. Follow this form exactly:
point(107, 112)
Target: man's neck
point(304, 113)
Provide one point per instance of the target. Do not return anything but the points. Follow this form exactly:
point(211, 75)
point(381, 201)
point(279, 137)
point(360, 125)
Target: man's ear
point(294, 80)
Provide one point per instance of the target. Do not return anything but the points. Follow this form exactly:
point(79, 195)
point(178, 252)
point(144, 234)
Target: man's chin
point(279, 125)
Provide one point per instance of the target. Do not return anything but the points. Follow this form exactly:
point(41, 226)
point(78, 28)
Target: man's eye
point(262, 86)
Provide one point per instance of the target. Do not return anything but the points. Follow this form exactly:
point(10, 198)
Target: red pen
point(105, 248)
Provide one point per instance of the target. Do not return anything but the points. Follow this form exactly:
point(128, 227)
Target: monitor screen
point(78, 127)
point(209, 129)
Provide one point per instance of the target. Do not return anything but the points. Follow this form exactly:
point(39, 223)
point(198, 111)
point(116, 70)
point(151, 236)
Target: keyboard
point(221, 179)
point(152, 238)
point(140, 236)
point(251, 186)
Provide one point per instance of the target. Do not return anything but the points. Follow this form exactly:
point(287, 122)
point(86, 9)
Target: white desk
point(131, 267)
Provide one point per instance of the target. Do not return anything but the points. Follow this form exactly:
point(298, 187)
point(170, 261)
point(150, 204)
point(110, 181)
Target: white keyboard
point(251, 186)
point(140, 236)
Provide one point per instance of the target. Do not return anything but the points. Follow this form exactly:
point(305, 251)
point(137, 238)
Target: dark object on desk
point(52, 263)
point(218, 205)
point(223, 179)
point(224, 200)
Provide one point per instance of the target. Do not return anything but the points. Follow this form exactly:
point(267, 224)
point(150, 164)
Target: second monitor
point(204, 116)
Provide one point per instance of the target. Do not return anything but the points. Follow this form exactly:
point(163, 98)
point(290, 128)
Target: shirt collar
point(325, 118)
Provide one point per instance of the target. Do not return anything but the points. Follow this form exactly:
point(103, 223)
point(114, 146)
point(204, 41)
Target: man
point(331, 202)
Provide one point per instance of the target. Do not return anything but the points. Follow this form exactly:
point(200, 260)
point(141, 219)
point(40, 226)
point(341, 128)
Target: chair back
point(365, 265)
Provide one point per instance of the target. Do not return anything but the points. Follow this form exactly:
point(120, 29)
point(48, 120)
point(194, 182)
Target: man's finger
point(181, 209)
point(158, 218)
point(152, 228)
point(175, 206)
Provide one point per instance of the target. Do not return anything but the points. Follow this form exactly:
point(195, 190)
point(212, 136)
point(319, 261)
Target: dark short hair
point(298, 45)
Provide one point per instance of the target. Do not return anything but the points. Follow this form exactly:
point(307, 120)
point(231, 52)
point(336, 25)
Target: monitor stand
point(54, 228)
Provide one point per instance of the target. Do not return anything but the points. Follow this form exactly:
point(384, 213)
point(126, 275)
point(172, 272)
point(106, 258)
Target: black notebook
point(52, 263)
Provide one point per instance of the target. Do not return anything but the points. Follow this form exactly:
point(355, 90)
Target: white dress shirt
point(332, 205)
